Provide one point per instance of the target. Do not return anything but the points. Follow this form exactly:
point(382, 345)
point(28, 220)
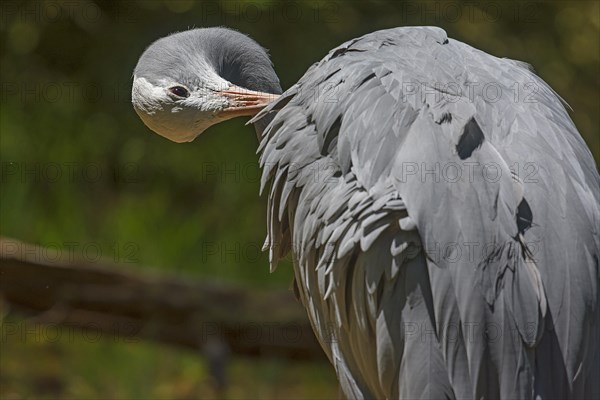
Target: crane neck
point(243, 62)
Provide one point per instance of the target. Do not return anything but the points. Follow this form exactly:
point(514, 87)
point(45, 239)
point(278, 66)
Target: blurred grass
point(80, 171)
point(70, 364)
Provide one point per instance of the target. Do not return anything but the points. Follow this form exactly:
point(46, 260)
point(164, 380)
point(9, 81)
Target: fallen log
point(124, 304)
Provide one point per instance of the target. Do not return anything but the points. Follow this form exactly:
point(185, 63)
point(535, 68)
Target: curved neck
point(243, 62)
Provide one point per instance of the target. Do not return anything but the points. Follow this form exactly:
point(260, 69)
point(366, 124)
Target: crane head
point(181, 86)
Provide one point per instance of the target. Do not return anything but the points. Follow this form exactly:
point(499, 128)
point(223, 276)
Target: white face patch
point(178, 119)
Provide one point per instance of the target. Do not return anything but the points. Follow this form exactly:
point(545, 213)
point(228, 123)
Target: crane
point(441, 208)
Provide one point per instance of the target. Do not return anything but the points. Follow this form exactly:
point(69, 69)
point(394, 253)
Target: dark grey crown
point(233, 55)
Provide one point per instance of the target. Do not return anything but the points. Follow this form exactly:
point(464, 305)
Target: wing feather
point(412, 197)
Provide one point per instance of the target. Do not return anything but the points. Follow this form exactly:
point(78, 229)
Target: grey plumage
point(442, 210)
point(398, 310)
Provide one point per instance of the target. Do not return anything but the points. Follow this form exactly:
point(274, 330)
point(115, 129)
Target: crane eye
point(179, 91)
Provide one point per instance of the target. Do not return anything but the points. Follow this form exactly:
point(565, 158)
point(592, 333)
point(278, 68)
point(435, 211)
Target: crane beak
point(244, 102)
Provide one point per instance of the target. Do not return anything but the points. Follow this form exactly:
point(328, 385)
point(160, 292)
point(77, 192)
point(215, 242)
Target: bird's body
point(443, 216)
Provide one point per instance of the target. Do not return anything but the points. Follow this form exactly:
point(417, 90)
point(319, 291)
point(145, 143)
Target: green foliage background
point(80, 170)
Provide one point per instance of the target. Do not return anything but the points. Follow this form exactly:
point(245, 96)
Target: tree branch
point(116, 301)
